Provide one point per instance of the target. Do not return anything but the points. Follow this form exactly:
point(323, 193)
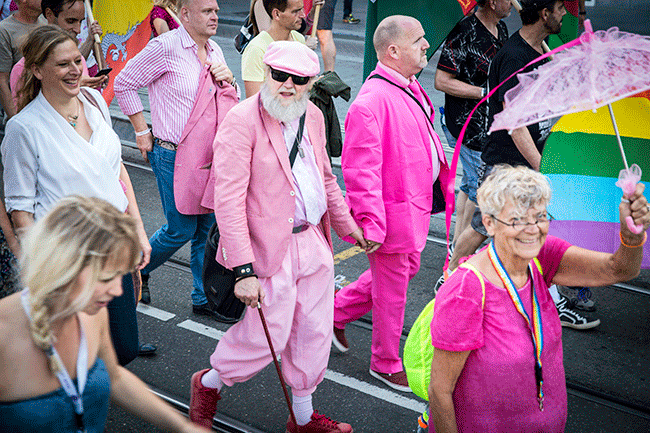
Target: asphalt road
point(611, 359)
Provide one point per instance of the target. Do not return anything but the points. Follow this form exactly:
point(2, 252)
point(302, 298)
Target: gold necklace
point(72, 119)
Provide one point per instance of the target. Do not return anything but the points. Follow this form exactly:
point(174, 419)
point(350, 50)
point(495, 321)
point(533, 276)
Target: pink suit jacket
point(387, 166)
point(193, 173)
point(254, 189)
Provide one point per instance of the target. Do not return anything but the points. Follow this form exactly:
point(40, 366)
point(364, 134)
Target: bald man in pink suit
point(391, 159)
point(274, 212)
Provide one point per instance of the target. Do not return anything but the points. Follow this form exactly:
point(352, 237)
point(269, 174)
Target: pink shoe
point(203, 401)
point(319, 424)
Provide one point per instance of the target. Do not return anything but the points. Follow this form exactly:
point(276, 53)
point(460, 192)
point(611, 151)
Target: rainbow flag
point(438, 18)
point(582, 161)
point(126, 32)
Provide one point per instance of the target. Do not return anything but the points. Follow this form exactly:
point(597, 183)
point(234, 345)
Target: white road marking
point(375, 391)
point(355, 384)
point(200, 328)
point(155, 312)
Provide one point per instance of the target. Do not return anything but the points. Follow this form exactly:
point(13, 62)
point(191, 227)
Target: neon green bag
point(418, 351)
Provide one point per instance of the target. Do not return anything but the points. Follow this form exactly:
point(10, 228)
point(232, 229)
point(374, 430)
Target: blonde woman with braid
point(54, 335)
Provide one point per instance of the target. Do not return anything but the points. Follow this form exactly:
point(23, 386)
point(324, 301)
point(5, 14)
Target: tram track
point(430, 238)
point(573, 388)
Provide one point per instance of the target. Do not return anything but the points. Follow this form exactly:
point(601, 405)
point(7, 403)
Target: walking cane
point(315, 24)
point(277, 365)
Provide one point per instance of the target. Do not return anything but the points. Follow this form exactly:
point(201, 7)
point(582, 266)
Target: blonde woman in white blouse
point(61, 143)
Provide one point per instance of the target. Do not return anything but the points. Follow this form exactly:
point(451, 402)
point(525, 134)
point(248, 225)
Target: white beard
point(284, 113)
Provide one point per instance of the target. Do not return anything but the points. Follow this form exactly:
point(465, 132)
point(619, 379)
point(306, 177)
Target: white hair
point(526, 188)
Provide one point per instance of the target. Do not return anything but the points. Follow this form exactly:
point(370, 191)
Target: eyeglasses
point(281, 77)
point(520, 224)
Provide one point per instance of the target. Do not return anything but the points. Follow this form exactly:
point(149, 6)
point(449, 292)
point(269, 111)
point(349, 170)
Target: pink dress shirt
point(170, 69)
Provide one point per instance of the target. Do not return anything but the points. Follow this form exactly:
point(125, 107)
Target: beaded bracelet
point(645, 238)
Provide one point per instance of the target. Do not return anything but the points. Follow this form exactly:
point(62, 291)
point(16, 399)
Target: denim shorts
point(471, 160)
point(477, 219)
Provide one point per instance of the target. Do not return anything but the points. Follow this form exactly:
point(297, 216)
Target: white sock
point(302, 408)
point(554, 293)
point(211, 379)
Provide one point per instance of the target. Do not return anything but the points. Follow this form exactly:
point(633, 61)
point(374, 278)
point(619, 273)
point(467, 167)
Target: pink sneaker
point(203, 401)
point(319, 424)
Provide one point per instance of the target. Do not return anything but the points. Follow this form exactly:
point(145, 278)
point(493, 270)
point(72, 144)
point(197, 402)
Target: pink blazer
point(387, 166)
point(193, 174)
point(254, 190)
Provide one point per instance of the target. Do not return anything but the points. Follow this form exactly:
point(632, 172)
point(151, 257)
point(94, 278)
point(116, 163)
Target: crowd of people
point(260, 171)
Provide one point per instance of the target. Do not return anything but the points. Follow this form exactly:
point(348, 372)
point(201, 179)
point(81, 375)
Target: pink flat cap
point(292, 57)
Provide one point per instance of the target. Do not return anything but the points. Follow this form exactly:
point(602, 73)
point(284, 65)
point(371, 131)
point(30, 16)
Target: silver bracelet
point(141, 133)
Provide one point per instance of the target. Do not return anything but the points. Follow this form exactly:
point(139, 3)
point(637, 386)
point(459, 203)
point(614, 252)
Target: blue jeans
point(179, 228)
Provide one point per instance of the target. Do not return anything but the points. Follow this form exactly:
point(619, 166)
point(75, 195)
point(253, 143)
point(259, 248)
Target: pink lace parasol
point(604, 67)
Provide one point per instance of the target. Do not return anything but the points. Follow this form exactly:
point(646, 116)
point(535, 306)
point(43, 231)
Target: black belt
point(165, 144)
point(300, 228)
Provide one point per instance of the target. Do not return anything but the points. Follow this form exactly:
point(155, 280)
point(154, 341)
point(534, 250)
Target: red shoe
point(339, 340)
point(396, 381)
point(319, 424)
point(203, 401)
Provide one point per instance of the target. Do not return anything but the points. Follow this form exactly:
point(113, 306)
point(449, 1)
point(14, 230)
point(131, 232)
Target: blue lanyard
point(62, 374)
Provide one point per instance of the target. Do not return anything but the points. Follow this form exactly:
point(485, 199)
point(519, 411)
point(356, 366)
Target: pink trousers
point(298, 309)
point(382, 289)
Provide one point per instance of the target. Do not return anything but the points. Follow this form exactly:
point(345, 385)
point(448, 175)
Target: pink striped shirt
point(169, 67)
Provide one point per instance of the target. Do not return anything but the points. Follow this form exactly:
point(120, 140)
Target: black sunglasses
point(281, 77)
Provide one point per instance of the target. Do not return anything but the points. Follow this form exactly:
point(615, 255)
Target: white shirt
point(45, 159)
point(311, 202)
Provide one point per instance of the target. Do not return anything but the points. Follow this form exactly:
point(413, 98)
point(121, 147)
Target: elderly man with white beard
point(275, 201)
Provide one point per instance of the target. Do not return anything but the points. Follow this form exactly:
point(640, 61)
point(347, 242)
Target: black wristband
point(582, 13)
point(243, 270)
point(244, 277)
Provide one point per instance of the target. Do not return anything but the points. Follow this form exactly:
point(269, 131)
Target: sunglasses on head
point(281, 77)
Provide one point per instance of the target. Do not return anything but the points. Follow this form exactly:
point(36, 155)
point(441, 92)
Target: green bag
point(418, 351)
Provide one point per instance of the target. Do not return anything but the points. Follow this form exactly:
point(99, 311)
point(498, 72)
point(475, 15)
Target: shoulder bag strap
point(480, 278)
point(89, 96)
point(417, 101)
point(296, 143)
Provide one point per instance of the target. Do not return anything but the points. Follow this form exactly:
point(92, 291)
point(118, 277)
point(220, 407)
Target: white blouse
point(45, 159)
